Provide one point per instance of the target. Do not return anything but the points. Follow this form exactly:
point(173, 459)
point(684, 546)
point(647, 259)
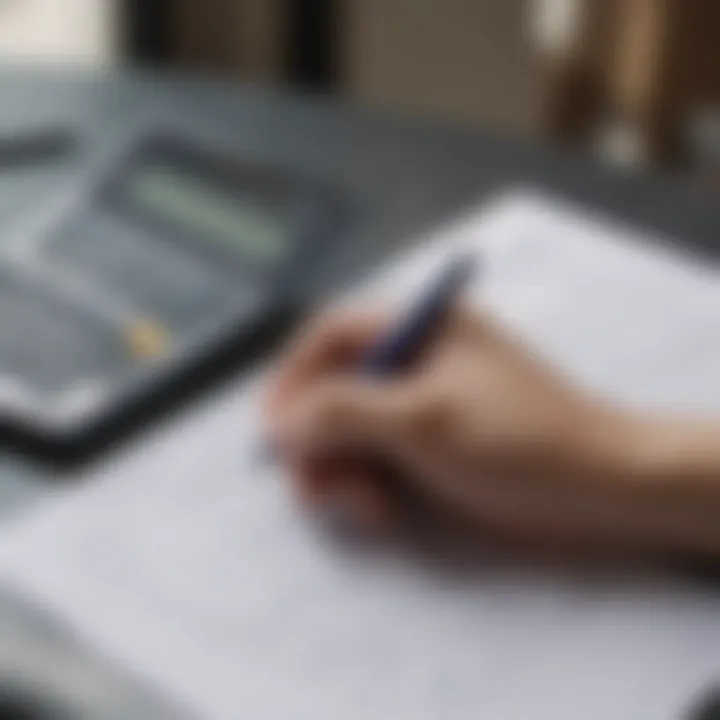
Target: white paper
point(185, 560)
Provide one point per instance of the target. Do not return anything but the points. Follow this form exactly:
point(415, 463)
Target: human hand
point(478, 425)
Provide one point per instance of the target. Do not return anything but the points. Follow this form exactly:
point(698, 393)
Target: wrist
point(613, 446)
point(672, 456)
point(665, 472)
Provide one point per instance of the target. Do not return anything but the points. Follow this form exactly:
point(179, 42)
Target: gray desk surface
point(424, 171)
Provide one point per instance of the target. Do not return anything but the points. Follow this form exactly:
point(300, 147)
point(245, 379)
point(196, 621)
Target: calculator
point(174, 256)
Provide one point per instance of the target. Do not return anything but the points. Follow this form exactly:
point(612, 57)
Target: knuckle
point(430, 416)
point(329, 410)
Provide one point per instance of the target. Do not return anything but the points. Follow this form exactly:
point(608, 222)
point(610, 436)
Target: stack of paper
point(185, 561)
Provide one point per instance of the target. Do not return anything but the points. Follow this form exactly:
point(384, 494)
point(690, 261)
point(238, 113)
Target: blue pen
point(402, 343)
point(397, 348)
point(395, 351)
point(415, 329)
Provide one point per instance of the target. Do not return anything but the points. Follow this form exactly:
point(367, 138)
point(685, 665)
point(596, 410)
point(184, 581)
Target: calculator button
point(146, 339)
point(155, 276)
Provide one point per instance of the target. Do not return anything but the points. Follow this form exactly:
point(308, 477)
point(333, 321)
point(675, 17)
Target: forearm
point(669, 472)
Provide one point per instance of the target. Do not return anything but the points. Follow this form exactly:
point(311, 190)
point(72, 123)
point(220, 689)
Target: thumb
point(349, 415)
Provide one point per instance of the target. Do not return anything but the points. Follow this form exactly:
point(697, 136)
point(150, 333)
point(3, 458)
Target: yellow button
point(146, 339)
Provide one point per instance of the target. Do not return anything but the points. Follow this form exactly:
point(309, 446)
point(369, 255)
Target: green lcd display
point(209, 213)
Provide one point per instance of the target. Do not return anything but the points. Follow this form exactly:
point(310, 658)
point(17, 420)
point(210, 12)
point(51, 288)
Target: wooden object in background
point(651, 65)
point(648, 64)
point(577, 82)
point(472, 60)
point(242, 37)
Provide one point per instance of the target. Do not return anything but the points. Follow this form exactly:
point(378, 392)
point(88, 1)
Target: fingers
point(346, 488)
point(299, 425)
point(330, 426)
point(330, 342)
point(333, 438)
point(349, 416)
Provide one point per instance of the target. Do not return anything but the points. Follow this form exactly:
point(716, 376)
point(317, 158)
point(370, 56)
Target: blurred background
point(634, 81)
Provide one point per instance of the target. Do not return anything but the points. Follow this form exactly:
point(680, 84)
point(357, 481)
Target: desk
point(406, 176)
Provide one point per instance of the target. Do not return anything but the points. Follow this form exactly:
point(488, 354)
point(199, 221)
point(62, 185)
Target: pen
point(415, 329)
point(410, 335)
point(393, 352)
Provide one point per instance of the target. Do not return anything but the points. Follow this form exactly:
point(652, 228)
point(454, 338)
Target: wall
point(77, 31)
point(472, 60)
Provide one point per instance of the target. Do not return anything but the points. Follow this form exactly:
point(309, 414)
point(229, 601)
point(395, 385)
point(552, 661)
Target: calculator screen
point(210, 213)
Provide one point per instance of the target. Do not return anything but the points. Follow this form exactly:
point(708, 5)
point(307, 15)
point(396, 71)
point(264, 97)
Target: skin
point(484, 430)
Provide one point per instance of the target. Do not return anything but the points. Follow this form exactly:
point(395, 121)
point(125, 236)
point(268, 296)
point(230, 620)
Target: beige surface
point(82, 31)
point(465, 59)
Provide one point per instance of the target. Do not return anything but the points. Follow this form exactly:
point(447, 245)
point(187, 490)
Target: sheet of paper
point(184, 559)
